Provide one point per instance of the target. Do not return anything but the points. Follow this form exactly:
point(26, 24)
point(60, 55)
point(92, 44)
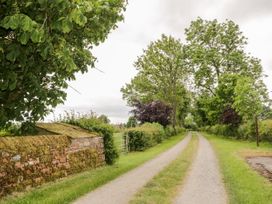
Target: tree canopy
point(153, 112)
point(214, 49)
point(42, 45)
point(216, 53)
point(248, 101)
point(161, 75)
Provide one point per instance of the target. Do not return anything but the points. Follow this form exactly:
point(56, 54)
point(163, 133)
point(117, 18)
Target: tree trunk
point(257, 131)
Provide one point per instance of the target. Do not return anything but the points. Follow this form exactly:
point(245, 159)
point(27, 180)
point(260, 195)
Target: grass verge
point(164, 186)
point(70, 188)
point(244, 185)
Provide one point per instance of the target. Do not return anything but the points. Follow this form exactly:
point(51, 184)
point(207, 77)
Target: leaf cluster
point(42, 45)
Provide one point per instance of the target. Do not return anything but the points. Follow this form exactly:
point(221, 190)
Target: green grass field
point(163, 187)
point(68, 189)
point(244, 185)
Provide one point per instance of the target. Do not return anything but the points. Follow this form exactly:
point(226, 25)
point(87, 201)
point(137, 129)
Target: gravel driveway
point(204, 183)
point(122, 189)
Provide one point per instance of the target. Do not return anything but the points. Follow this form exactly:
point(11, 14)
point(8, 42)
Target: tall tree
point(42, 45)
point(161, 75)
point(104, 119)
point(218, 105)
point(215, 52)
point(248, 101)
point(132, 122)
point(214, 49)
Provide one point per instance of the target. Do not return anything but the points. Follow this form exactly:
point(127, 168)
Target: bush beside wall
point(143, 137)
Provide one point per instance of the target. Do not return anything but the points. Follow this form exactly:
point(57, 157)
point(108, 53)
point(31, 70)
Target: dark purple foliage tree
point(230, 116)
point(155, 111)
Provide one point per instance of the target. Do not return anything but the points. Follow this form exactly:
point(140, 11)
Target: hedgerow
point(147, 135)
point(142, 137)
point(245, 131)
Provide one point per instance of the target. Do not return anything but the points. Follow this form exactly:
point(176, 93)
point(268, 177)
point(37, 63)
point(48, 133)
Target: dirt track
point(204, 183)
point(122, 189)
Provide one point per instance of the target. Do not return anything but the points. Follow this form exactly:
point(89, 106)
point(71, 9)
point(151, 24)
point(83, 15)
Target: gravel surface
point(122, 189)
point(262, 164)
point(203, 184)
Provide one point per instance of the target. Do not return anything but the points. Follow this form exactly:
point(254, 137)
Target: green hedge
point(169, 131)
point(143, 137)
point(245, 131)
point(266, 130)
point(105, 130)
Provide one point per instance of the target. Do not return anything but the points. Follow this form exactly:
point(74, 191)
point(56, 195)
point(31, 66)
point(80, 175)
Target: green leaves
point(66, 25)
point(248, 100)
point(215, 49)
point(12, 76)
point(42, 45)
point(13, 53)
point(28, 28)
point(18, 21)
point(37, 36)
point(24, 37)
point(215, 52)
point(78, 17)
point(10, 82)
point(161, 75)
point(27, 24)
point(10, 22)
point(46, 50)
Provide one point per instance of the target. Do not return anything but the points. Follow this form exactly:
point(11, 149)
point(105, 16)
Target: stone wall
point(30, 161)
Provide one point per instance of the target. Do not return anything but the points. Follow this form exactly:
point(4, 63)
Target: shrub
point(245, 131)
point(137, 140)
point(219, 129)
point(156, 129)
point(11, 130)
point(180, 130)
point(143, 137)
point(94, 124)
point(169, 131)
point(3, 133)
point(205, 128)
point(266, 130)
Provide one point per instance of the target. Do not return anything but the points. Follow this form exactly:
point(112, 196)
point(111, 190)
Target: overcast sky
point(145, 21)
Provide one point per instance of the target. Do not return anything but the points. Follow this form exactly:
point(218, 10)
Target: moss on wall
point(30, 161)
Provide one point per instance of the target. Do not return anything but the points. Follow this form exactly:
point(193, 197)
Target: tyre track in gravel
point(123, 188)
point(204, 183)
